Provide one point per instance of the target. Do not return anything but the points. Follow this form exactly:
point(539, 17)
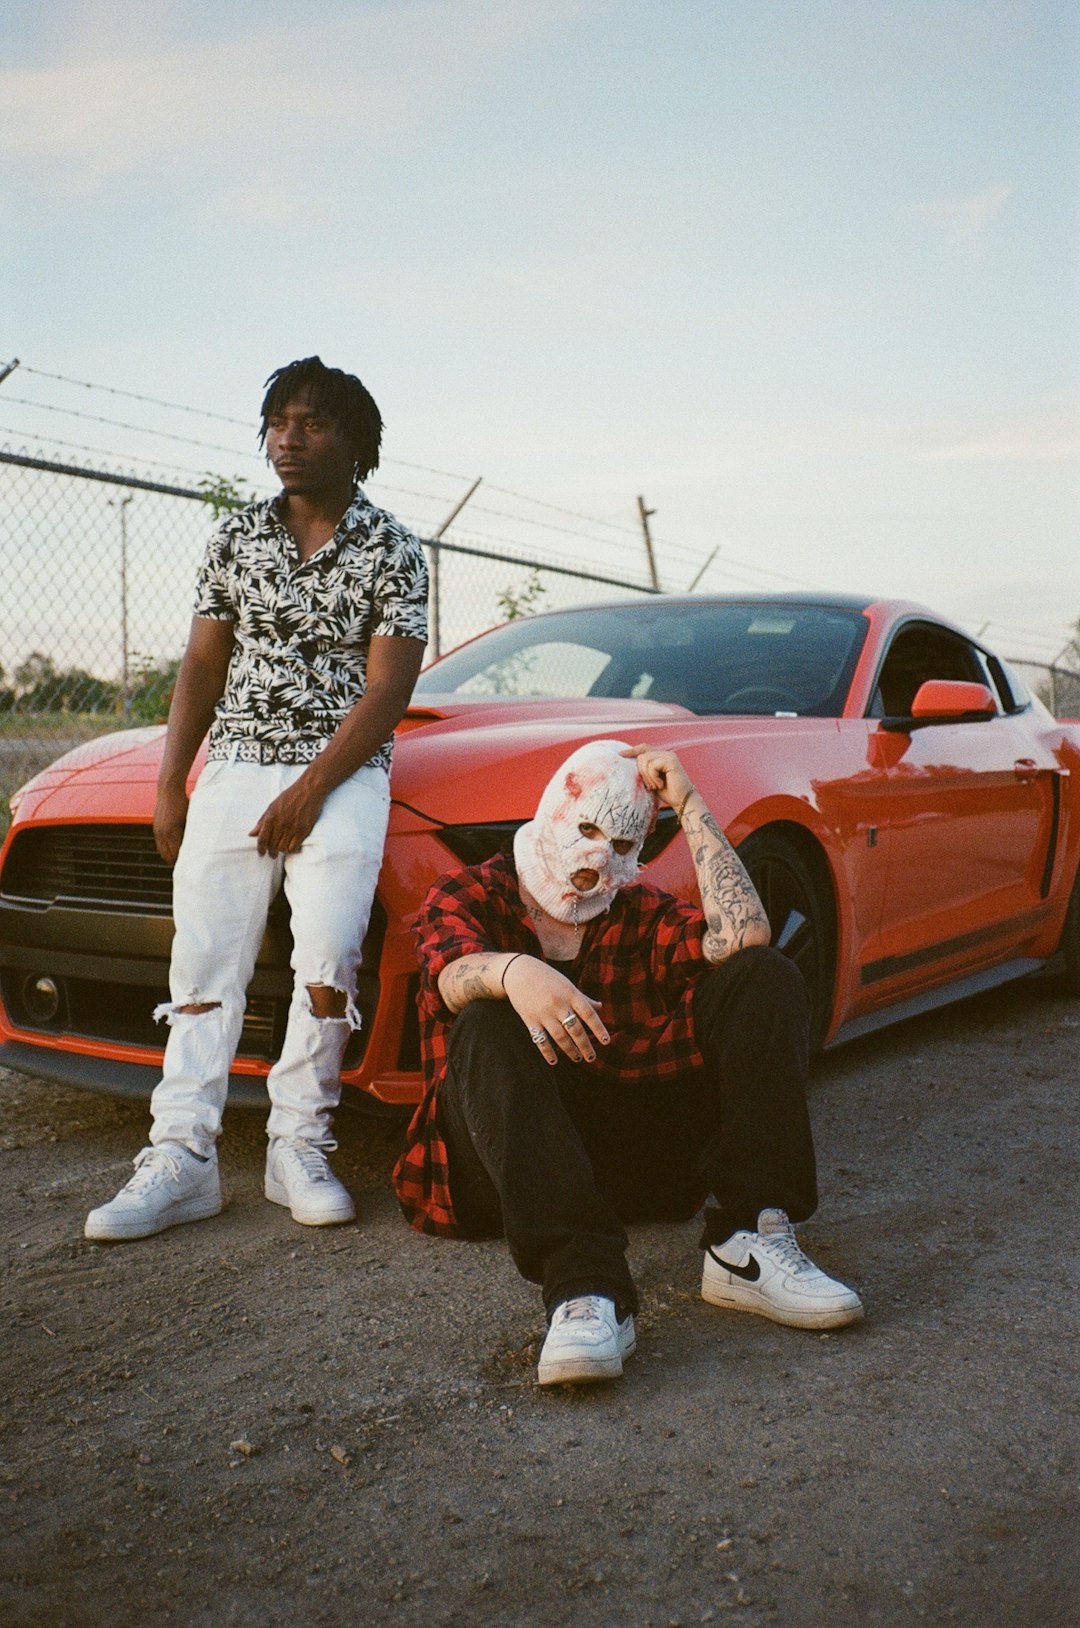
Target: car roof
point(829, 601)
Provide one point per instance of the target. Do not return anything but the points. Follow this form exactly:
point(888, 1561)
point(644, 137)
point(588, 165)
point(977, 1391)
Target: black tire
point(800, 914)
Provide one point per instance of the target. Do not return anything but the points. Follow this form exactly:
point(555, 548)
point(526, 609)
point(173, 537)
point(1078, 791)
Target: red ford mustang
point(909, 813)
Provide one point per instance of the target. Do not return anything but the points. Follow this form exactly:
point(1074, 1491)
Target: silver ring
point(538, 1036)
point(571, 1017)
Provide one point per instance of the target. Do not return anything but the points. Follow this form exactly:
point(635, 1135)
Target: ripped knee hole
point(327, 1001)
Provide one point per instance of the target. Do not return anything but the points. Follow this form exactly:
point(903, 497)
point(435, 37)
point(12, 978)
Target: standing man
point(309, 630)
point(596, 1050)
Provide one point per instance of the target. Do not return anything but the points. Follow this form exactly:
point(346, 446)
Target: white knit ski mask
point(595, 786)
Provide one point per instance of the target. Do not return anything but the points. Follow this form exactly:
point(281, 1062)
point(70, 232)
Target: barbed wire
point(137, 429)
point(102, 452)
point(672, 549)
point(212, 446)
point(131, 395)
point(205, 412)
point(621, 528)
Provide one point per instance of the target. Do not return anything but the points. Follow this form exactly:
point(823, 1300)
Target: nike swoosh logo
point(749, 1273)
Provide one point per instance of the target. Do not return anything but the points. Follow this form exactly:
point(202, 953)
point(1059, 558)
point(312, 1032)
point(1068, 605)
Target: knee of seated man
point(774, 970)
point(762, 974)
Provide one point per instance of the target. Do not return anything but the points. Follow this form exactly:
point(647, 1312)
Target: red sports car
point(909, 812)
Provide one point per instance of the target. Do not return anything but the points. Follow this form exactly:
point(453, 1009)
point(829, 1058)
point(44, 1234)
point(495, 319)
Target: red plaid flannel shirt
point(640, 960)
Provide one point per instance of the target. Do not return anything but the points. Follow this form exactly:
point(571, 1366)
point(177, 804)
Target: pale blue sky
point(804, 272)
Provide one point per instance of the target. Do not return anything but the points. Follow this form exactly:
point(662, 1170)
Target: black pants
point(557, 1158)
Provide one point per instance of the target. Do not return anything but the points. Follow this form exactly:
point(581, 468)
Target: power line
point(138, 429)
point(204, 412)
point(224, 418)
point(131, 395)
point(102, 452)
point(542, 503)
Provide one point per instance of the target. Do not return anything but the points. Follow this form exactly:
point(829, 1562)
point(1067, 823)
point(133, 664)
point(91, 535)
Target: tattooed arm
point(474, 978)
point(734, 915)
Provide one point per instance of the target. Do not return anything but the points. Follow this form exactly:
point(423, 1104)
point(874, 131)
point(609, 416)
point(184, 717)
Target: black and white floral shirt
point(302, 628)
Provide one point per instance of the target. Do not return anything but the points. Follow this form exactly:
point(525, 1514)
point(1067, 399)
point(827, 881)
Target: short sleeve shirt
point(641, 960)
point(303, 627)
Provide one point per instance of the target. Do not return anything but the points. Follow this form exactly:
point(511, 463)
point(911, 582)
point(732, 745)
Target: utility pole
point(8, 367)
point(704, 568)
point(436, 632)
point(645, 515)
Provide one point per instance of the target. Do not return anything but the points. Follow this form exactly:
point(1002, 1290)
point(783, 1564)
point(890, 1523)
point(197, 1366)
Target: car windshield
point(729, 658)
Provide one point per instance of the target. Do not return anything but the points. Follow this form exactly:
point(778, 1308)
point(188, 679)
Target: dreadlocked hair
point(339, 395)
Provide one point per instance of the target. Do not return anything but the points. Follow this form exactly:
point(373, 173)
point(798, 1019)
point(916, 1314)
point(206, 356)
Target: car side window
point(1009, 689)
point(921, 651)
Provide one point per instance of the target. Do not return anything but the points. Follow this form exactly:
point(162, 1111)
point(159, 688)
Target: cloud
point(962, 219)
point(111, 107)
point(1048, 438)
point(262, 202)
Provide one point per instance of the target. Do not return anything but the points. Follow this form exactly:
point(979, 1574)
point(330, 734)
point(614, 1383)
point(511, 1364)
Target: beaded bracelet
point(506, 968)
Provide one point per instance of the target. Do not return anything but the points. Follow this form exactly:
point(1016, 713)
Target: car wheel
point(800, 915)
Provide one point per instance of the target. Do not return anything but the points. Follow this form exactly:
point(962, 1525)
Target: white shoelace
point(312, 1160)
point(581, 1308)
point(148, 1166)
point(784, 1244)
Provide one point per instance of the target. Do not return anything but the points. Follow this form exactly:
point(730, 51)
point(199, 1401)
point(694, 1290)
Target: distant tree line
point(38, 684)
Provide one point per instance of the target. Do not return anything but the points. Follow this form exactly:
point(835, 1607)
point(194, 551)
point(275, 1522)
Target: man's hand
point(170, 817)
point(282, 827)
point(662, 773)
point(734, 915)
point(551, 1006)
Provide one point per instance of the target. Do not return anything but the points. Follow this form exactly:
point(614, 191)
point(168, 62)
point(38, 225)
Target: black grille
point(473, 844)
point(114, 867)
point(409, 1045)
point(71, 898)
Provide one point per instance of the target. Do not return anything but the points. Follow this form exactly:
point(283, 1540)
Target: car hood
point(490, 760)
point(454, 760)
point(87, 781)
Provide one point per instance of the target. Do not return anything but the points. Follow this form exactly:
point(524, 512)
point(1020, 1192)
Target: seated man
point(596, 1050)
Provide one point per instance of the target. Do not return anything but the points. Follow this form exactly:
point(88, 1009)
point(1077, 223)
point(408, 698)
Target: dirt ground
point(249, 1422)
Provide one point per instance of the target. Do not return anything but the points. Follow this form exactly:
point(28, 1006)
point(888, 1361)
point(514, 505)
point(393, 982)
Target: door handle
point(1025, 768)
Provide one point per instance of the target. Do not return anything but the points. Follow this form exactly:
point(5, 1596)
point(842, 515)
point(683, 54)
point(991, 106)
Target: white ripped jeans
point(222, 890)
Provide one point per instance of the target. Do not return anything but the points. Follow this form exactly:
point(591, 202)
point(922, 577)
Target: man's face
point(310, 452)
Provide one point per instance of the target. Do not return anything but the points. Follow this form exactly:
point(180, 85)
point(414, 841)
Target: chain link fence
point(98, 569)
point(1056, 686)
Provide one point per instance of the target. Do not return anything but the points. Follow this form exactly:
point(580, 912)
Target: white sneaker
point(586, 1341)
point(170, 1185)
point(299, 1177)
point(766, 1272)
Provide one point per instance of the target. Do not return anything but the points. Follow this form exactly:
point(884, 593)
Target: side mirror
point(943, 700)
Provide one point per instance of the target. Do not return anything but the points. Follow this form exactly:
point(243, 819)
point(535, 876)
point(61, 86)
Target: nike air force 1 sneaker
point(170, 1185)
point(586, 1342)
point(298, 1175)
point(766, 1272)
